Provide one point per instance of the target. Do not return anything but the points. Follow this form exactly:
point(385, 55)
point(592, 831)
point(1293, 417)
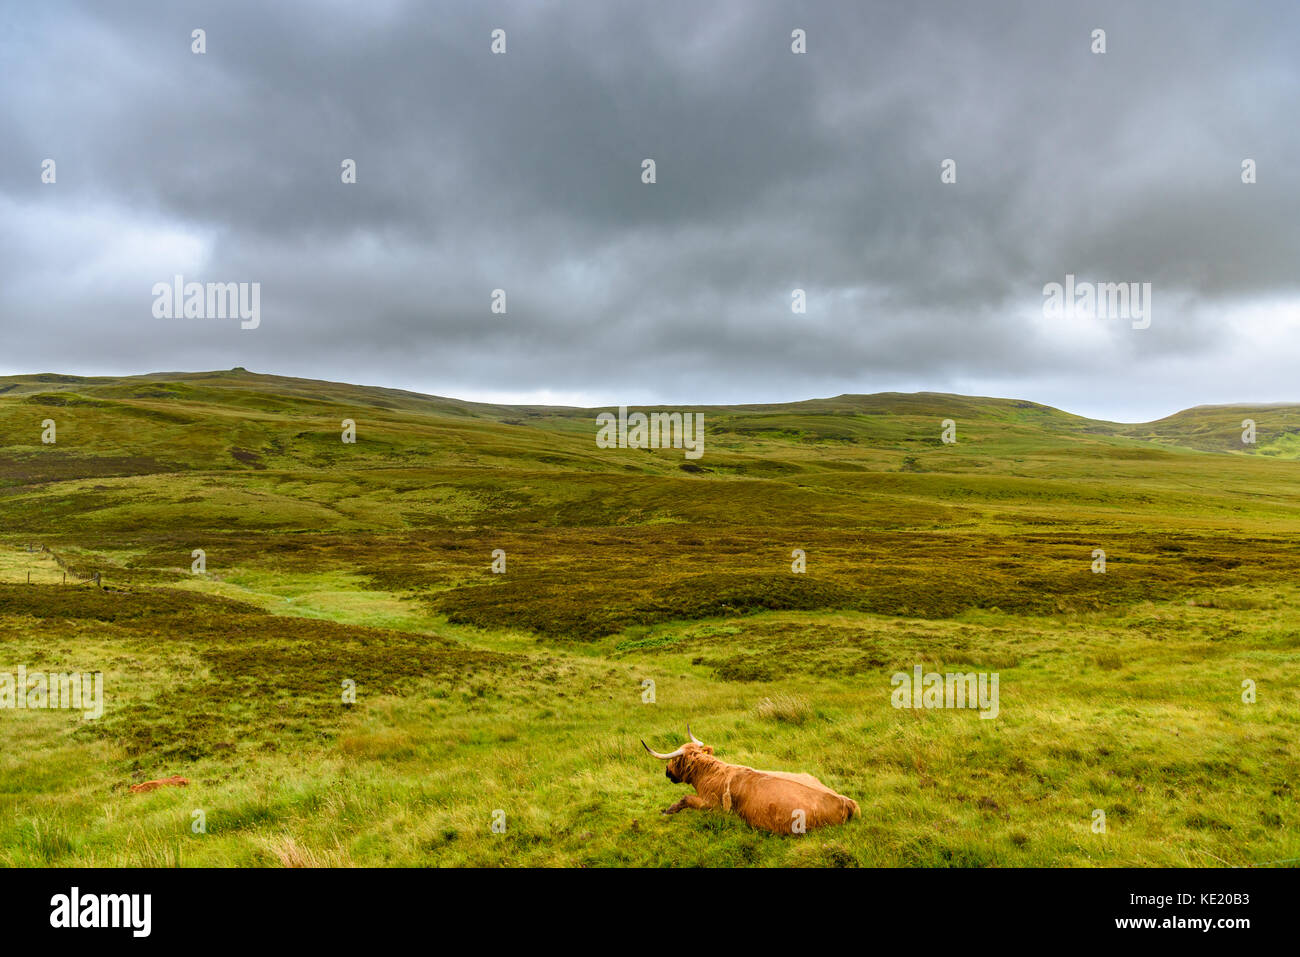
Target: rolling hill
point(523, 688)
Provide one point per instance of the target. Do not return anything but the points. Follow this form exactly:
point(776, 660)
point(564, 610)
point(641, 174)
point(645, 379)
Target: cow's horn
point(691, 736)
point(662, 757)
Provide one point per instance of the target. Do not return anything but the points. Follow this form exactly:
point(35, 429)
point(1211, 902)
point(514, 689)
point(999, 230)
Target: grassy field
point(522, 695)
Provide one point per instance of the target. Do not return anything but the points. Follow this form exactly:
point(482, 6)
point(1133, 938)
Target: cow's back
point(807, 779)
point(769, 799)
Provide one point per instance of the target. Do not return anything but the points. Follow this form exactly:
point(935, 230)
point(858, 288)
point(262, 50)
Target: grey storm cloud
point(775, 171)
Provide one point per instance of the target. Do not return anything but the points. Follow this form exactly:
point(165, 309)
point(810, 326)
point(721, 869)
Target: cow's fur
point(765, 799)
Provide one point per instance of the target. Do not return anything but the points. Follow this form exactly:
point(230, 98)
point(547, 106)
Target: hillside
point(373, 562)
point(147, 468)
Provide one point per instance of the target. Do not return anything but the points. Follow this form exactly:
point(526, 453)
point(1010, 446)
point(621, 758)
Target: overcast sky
point(775, 171)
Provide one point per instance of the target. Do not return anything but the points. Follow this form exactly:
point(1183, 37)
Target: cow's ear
point(706, 748)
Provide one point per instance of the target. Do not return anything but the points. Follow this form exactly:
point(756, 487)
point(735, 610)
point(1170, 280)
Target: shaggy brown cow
point(776, 801)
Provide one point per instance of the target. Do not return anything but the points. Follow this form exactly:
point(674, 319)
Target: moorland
point(641, 590)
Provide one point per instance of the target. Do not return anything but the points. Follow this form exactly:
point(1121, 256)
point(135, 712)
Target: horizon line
point(649, 405)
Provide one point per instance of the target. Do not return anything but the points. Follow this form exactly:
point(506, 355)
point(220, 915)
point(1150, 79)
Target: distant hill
point(254, 471)
point(886, 418)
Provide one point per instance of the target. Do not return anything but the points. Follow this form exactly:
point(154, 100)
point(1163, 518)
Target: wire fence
point(80, 574)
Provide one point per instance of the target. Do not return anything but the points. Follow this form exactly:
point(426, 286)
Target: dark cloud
point(775, 172)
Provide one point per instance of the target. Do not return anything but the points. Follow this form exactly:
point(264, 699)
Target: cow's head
point(681, 761)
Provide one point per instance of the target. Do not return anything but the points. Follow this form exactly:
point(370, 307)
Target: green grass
point(524, 693)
